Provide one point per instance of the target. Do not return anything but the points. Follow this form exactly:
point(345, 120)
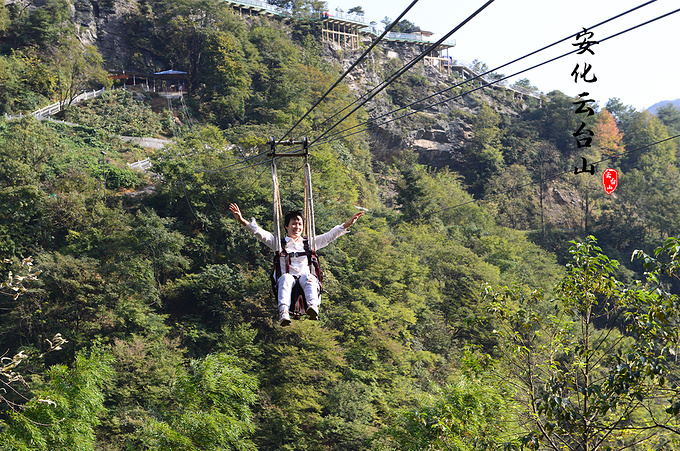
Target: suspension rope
point(276, 200)
point(310, 226)
point(308, 208)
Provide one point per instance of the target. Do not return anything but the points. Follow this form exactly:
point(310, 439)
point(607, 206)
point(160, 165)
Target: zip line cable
point(378, 86)
point(552, 177)
point(387, 29)
point(478, 88)
point(232, 167)
point(406, 67)
point(493, 70)
point(483, 74)
point(448, 99)
point(228, 168)
point(376, 90)
point(399, 73)
point(222, 169)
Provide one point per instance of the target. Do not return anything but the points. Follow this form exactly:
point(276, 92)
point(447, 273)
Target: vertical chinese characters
point(584, 135)
point(584, 46)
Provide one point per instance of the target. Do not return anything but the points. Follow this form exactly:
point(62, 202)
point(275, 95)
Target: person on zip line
point(294, 263)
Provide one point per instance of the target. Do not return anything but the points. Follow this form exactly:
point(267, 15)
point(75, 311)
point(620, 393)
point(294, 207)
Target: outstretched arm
point(352, 220)
point(321, 241)
point(261, 234)
point(237, 214)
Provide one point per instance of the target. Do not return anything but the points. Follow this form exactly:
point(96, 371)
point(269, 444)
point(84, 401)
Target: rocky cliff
point(104, 23)
point(439, 133)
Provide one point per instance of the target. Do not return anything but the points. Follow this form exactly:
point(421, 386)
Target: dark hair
point(292, 215)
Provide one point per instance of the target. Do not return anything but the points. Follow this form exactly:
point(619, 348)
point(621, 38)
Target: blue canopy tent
point(171, 80)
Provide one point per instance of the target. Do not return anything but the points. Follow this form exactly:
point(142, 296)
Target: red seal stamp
point(610, 180)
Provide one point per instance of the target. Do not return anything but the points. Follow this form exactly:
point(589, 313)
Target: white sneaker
point(313, 312)
point(284, 318)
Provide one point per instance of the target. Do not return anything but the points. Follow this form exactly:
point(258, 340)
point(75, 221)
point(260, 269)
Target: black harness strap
point(312, 262)
point(312, 259)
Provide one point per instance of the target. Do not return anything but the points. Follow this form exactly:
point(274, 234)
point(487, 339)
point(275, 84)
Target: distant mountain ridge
point(652, 109)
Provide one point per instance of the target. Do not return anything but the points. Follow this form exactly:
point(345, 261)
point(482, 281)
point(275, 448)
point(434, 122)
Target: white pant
point(309, 284)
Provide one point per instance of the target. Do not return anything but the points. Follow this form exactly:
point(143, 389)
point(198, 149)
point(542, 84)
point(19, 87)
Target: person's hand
point(352, 220)
point(237, 214)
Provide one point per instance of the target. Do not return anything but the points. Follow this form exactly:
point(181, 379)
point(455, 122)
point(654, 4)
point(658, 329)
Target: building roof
point(170, 72)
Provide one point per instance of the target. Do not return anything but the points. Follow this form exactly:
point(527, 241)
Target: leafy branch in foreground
point(15, 286)
point(16, 280)
point(594, 373)
point(9, 376)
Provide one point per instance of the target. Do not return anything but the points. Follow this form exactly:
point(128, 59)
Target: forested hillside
point(493, 300)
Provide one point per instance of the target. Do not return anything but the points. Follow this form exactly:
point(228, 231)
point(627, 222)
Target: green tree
point(592, 364)
point(483, 154)
point(210, 409)
point(510, 195)
point(5, 20)
point(670, 116)
point(78, 68)
point(278, 79)
point(27, 149)
point(402, 27)
point(525, 85)
point(651, 174)
point(299, 368)
point(27, 81)
point(47, 26)
point(215, 298)
point(556, 122)
point(153, 238)
point(65, 410)
point(304, 8)
point(647, 194)
point(427, 195)
point(623, 114)
point(456, 274)
point(120, 113)
point(12, 88)
point(224, 69)
point(465, 415)
point(644, 130)
point(145, 364)
point(350, 414)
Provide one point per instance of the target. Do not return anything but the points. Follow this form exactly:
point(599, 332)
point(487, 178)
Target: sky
point(640, 67)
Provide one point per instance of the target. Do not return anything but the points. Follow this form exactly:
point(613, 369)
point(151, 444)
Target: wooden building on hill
point(342, 28)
